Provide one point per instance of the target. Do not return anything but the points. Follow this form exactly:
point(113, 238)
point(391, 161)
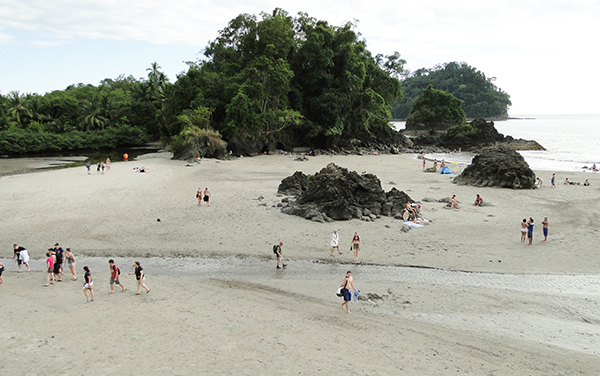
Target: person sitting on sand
point(478, 200)
point(586, 183)
point(411, 209)
point(454, 202)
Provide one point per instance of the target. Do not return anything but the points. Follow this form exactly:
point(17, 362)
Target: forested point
point(479, 94)
point(266, 82)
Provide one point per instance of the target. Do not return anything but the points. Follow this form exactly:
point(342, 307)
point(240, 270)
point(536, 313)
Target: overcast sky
point(542, 53)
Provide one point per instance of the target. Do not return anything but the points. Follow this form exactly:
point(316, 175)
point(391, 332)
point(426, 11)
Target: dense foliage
point(283, 80)
point(481, 98)
point(435, 109)
point(120, 112)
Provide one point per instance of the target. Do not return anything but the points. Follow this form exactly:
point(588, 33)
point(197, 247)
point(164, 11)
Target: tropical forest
point(267, 82)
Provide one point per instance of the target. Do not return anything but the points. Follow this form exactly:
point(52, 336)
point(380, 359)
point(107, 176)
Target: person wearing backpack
point(277, 251)
point(115, 272)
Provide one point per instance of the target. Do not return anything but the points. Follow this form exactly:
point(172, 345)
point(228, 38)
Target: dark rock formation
point(499, 167)
point(293, 185)
point(203, 145)
point(336, 193)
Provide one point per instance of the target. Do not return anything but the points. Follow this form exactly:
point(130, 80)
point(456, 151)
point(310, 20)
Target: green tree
point(435, 109)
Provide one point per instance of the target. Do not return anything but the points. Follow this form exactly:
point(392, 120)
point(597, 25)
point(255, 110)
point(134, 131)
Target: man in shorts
point(278, 252)
point(21, 255)
point(347, 283)
point(58, 265)
point(114, 277)
point(206, 196)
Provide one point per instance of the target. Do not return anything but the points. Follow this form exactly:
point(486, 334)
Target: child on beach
point(49, 269)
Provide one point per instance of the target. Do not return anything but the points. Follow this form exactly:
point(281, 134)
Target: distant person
point(70, 259)
point(594, 169)
point(140, 277)
point(411, 209)
point(21, 256)
point(424, 164)
point(347, 282)
point(98, 168)
point(88, 283)
point(478, 200)
point(552, 181)
point(443, 164)
point(102, 166)
point(545, 225)
point(1, 271)
point(58, 266)
point(567, 182)
point(540, 182)
point(49, 269)
point(114, 277)
point(586, 183)
point(279, 254)
point(199, 196)
point(206, 196)
point(355, 245)
point(335, 242)
point(454, 202)
point(107, 164)
point(530, 225)
point(523, 230)
point(88, 165)
point(125, 157)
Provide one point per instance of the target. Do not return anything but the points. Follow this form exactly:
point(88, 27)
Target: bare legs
point(338, 249)
point(48, 276)
point(73, 272)
point(347, 304)
point(85, 290)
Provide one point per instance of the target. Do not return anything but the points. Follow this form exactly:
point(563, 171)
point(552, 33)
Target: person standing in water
point(355, 245)
point(545, 228)
point(87, 286)
point(347, 282)
point(335, 242)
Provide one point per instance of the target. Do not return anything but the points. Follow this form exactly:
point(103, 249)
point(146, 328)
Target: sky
point(540, 52)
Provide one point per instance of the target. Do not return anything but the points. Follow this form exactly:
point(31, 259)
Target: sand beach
point(460, 295)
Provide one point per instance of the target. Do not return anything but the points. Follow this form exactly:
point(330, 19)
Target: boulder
point(339, 194)
point(498, 167)
point(293, 185)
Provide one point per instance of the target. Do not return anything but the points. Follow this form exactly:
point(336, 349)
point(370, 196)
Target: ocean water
point(572, 142)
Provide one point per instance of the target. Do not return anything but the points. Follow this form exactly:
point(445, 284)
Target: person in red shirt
point(114, 277)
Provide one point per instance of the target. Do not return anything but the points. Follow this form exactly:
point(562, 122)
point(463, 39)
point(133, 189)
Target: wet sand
point(241, 316)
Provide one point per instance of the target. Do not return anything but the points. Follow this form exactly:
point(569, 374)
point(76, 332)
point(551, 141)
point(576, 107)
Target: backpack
point(118, 270)
point(275, 248)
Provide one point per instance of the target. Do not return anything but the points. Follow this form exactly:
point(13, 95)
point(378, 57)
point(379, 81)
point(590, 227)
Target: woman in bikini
point(356, 243)
point(523, 230)
point(70, 257)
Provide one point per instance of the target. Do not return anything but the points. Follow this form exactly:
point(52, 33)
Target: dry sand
point(293, 324)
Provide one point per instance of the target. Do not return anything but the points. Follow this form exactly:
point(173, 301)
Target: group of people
point(527, 230)
point(355, 244)
point(100, 167)
point(57, 257)
point(203, 196)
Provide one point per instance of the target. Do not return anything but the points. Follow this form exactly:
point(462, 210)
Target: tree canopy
point(480, 96)
point(280, 79)
point(435, 109)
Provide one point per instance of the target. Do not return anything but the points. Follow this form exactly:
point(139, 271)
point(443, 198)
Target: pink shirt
point(50, 262)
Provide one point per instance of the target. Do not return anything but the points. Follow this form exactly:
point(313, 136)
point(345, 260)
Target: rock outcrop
point(498, 167)
point(335, 193)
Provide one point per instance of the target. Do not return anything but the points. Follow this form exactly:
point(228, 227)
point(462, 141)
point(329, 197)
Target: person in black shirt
point(141, 278)
point(58, 266)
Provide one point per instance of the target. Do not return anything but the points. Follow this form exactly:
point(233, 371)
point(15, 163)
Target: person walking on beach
point(115, 272)
point(107, 164)
point(88, 283)
point(523, 230)
point(206, 196)
point(424, 164)
point(552, 185)
point(347, 282)
point(545, 228)
point(530, 225)
point(199, 196)
point(58, 265)
point(98, 168)
point(88, 165)
point(355, 245)
point(49, 269)
point(279, 254)
point(125, 157)
point(140, 277)
point(335, 242)
point(22, 257)
point(70, 259)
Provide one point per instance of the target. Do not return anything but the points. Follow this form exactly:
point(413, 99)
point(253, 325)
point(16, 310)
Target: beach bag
point(275, 249)
point(118, 270)
point(340, 292)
